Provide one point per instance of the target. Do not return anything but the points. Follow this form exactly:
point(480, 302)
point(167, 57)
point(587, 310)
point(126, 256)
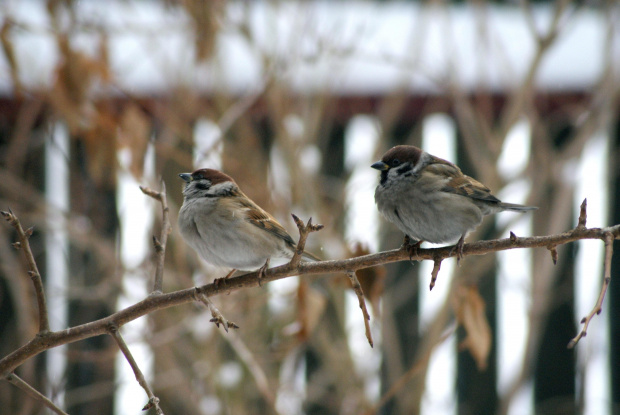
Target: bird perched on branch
point(430, 199)
point(227, 228)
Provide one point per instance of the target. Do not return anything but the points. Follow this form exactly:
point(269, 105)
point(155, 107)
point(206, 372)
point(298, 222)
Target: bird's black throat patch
point(384, 177)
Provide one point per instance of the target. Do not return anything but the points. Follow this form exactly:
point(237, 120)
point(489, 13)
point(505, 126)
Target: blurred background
point(295, 100)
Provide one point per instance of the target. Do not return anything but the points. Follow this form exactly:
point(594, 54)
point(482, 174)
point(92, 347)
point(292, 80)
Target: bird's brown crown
point(214, 176)
point(402, 153)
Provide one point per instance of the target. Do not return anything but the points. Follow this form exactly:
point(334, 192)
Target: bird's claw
point(411, 248)
point(459, 250)
point(261, 272)
point(218, 281)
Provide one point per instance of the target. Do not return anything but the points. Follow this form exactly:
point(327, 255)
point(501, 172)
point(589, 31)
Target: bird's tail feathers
point(517, 208)
point(310, 257)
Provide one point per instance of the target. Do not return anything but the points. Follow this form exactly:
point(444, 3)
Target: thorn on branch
point(153, 402)
point(10, 217)
point(513, 238)
point(157, 244)
point(17, 245)
point(554, 253)
point(435, 272)
point(582, 214)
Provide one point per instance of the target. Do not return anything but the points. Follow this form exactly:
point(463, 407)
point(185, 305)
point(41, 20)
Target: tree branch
point(33, 270)
point(598, 307)
point(417, 367)
point(357, 288)
point(160, 244)
point(47, 340)
point(257, 372)
point(23, 385)
point(153, 400)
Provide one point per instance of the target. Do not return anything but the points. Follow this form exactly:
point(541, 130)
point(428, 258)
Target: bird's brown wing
point(263, 220)
point(459, 183)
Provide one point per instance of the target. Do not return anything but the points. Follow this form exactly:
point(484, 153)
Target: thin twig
point(609, 251)
point(153, 400)
point(160, 244)
point(35, 276)
point(417, 367)
point(218, 317)
point(357, 288)
point(23, 385)
point(260, 378)
point(514, 108)
point(304, 231)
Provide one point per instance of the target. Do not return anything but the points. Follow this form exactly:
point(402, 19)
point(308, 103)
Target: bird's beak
point(380, 166)
point(186, 176)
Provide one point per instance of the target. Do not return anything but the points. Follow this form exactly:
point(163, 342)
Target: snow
point(349, 48)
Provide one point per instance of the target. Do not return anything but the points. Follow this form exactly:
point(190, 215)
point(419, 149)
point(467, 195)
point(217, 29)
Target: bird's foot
point(261, 272)
point(218, 281)
point(412, 248)
point(459, 250)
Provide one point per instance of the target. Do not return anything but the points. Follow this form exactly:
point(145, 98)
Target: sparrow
point(430, 199)
point(226, 228)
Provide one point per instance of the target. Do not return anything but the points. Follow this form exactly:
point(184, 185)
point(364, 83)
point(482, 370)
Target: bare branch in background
point(417, 368)
point(33, 270)
point(598, 307)
point(286, 125)
point(160, 244)
point(21, 384)
point(248, 358)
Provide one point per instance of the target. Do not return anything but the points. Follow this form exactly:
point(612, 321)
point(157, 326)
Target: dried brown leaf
point(311, 305)
point(134, 133)
point(469, 309)
point(9, 53)
point(100, 144)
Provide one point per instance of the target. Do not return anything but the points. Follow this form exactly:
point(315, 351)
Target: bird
point(430, 199)
point(226, 228)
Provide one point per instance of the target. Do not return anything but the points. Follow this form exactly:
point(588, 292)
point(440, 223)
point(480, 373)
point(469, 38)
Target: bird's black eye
point(197, 176)
point(394, 162)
